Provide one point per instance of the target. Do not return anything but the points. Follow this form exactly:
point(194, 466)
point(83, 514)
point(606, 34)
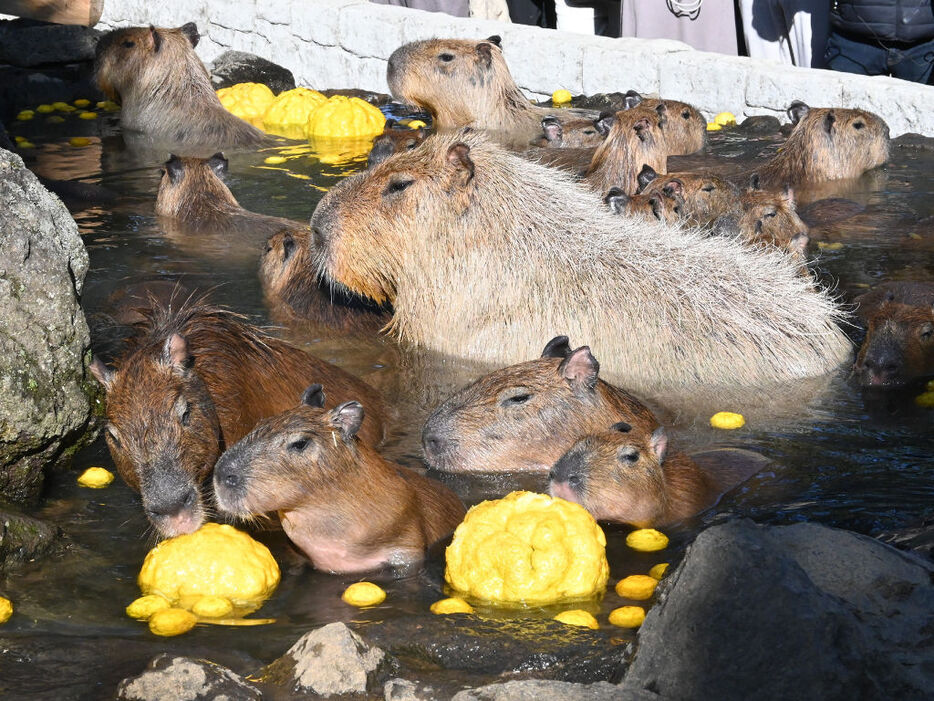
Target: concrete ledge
point(345, 44)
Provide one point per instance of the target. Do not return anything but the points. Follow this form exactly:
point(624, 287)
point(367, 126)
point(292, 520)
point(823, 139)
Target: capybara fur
point(827, 143)
point(392, 141)
point(523, 417)
point(200, 378)
point(479, 250)
point(770, 218)
point(636, 139)
point(899, 344)
point(574, 133)
point(686, 128)
point(340, 502)
point(165, 91)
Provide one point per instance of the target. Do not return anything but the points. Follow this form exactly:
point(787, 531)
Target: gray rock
point(45, 395)
point(233, 67)
point(760, 125)
point(24, 538)
point(539, 690)
point(803, 611)
point(327, 661)
point(405, 690)
point(186, 679)
point(27, 43)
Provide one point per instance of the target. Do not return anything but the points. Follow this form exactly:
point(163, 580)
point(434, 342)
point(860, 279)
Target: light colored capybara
point(827, 143)
point(573, 133)
point(341, 503)
point(392, 141)
point(479, 250)
point(620, 477)
point(899, 344)
point(523, 417)
point(199, 379)
point(636, 139)
point(769, 217)
point(165, 91)
point(686, 128)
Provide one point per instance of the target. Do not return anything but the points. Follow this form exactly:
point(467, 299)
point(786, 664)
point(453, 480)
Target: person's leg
point(571, 18)
point(850, 56)
point(763, 29)
point(913, 64)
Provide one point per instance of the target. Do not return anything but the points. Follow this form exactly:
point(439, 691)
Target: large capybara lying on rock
point(479, 251)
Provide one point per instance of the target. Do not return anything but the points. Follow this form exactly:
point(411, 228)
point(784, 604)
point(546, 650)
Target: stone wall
point(345, 43)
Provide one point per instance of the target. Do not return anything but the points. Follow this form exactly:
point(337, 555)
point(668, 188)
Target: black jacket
point(904, 21)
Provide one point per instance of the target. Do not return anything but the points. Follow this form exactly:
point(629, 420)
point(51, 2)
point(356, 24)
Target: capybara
point(899, 344)
point(827, 143)
point(478, 250)
point(200, 379)
point(574, 133)
point(165, 91)
point(769, 217)
point(619, 477)
point(341, 503)
point(686, 128)
point(636, 139)
point(392, 141)
point(523, 417)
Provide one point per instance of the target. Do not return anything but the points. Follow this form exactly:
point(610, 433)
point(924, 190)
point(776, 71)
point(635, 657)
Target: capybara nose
point(433, 444)
point(231, 480)
point(566, 470)
point(318, 237)
point(172, 505)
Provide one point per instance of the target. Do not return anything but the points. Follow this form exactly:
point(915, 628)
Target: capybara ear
point(659, 443)
point(673, 188)
point(156, 39)
point(640, 126)
point(605, 122)
point(102, 373)
point(799, 244)
point(621, 427)
point(218, 163)
point(754, 183)
point(646, 176)
point(558, 347)
point(347, 418)
point(496, 39)
point(552, 128)
point(175, 352)
point(288, 246)
point(662, 110)
point(829, 121)
point(175, 168)
point(616, 200)
point(459, 158)
point(797, 111)
point(788, 196)
point(314, 396)
point(485, 52)
point(631, 99)
point(580, 369)
point(190, 30)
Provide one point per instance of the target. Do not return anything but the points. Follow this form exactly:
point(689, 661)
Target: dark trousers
point(846, 54)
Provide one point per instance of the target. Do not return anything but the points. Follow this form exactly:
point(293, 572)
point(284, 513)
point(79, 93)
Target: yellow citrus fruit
point(561, 97)
point(453, 604)
point(925, 400)
point(342, 117)
point(108, 106)
point(95, 477)
point(627, 616)
point(212, 607)
point(215, 560)
point(713, 126)
point(6, 609)
point(527, 548)
point(929, 387)
point(55, 119)
point(659, 570)
point(725, 119)
point(637, 587)
point(79, 141)
point(363, 594)
point(81, 102)
point(19, 139)
point(25, 115)
point(647, 540)
point(577, 617)
point(63, 107)
point(26, 144)
point(727, 420)
point(287, 115)
point(143, 607)
point(416, 124)
point(249, 101)
point(88, 115)
point(172, 622)
point(45, 109)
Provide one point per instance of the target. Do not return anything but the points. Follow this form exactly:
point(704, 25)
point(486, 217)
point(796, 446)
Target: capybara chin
point(342, 504)
point(662, 307)
point(165, 91)
point(686, 128)
point(636, 139)
point(899, 344)
point(523, 417)
point(827, 143)
point(200, 378)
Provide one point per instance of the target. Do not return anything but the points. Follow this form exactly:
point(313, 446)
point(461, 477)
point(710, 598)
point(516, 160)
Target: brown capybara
point(165, 91)
point(340, 502)
point(295, 292)
point(769, 217)
point(619, 477)
point(636, 139)
point(478, 250)
point(899, 344)
point(199, 379)
point(574, 133)
point(523, 417)
point(392, 141)
point(685, 129)
point(827, 143)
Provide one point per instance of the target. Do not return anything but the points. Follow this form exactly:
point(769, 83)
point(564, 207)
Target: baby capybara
point(574, 133)
point(165, 91)
point(200, 378)
point(523, 417)
point(392, 141)
point(899, 344)
point(636, 139)
point(685, 129)
point(827, 143)
point(341, 503)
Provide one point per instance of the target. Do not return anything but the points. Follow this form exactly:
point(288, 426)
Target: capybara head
point(285, 257)
point(686, 130)
point(615, 476)
point(393, 141)
point(191, 188)
point(162, 430)
point(636, 138)
point(695, 197)
point(770, 217)
point(524, 416)
point(899, 344)
point(461, 82)
point(574, 133)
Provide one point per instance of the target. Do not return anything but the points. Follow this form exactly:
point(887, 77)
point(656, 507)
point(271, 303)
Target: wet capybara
point(827, 143)
point(899, 344)
point(392, 141)
point(165, 91)
point(685, 129)
point(769, 217)
point(199, 379)
point(619, 477)
point(574, 133)
point(636, 139)
point(424, 226)
point(523, 417)
point(340, 502)
point(295, 292)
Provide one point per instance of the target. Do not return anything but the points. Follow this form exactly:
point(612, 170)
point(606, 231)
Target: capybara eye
point(858, 125)
point(397, 186)
point(927, 331)
point(129, 44)
point(622, 427)
point(186, 416)
point(708, 188)
point(447, 58)
point(299, 445)
point(630, 455)
point(686, 114)
point(590, 132)
point(516, 400)
point(769, 215)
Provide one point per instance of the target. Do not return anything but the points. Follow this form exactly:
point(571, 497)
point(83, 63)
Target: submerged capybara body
point(685, 129)
point(199, 379)
point(636, 139)
point(523, 417)
point(899, 343)
point(165, 91)
point(342, 504)
point(423, 227)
